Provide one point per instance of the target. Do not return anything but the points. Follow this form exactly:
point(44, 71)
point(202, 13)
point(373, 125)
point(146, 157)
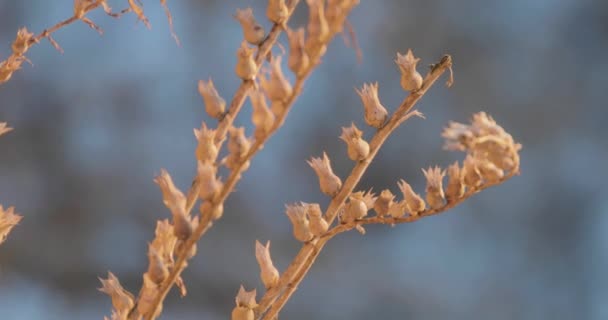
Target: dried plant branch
point(276, 297)
point(8, 217)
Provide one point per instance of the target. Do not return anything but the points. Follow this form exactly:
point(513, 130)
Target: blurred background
point(95, 124)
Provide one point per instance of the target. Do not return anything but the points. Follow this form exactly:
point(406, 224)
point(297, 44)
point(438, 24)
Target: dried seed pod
point(384, 202)
point(145, 302)
point(173, 198)
point(297, 216)
point(262, 117)
point(336, 13)
point(215, 105)
point(252, 30)
point(329, 182)
point(298, 58)
point(215, 210)
point(277, 88)
point(10, 65)
point(22, 42)
point(210, 185)
point(268, 272)
point(245, 302)
point(355, 209)
point(277, 11)
point(358, 149)
point(413, 201)
point(238, 146)
point(246, 68)
point(398, 210)
point(411, 80)
point(318, 29)
point(318, 225)
point(471, 175)
point(489, 172)
point(122, 300)
point(8, 219)
point(157, 270)
point(455, 189)
point(375, 113)
point(206, 150)
point(164, 241)
point(434, 187)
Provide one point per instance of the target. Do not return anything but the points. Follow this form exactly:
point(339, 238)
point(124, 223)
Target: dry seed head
point(4, 128)
point(8, 219)
point(216, 211)
point(246, 67)
point(145, 302)
point(182, 227)
point(413, 201)
point(253, 32)
point(471, 174)
point(455, 189)
point(122, 300)
point(336, 13)
point(277, 88)
point(384, 202)
point(10, 65)
point(215, 106)
point(173, 198)
point(238, 146)
point(355, 209)
point(411, 80)
point(206, 150)
point(358, 149)
point(22, 42)
point(329, 183)
point(262, 117)
point(298, 58)
point(210, 185)
point(489, 172)
point(398, 210)
point(318, 28)
point(246, 299)
point(301, 227)
point(318, 225)
point(375, 113)
point(164, 241)
point(277, 11)
point(157, 269)
point(434, 187)
point(268, 272)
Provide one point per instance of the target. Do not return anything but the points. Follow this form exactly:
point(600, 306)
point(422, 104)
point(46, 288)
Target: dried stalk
point(276, 297)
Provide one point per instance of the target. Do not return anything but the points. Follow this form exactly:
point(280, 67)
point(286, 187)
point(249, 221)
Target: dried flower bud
point(398, 210)
point(329, 183)
point(4, 128)
point(301, 227)
point(262, 117)
point(10, 65)
point(318, 225)
point(298, 58)
point(164, 241)
point(411, 80)
point(318, 29)
point(210, 185)
point(145, 302)
point(337, 11)
point(277, 11)
point(489, 172)
point(277, 88)
point(413, 201)
point(8, 219)
point(472, 176)
point(246, 68)
point(245, 302)
point(215, 105)
point(238, 146)
point(122, 300)
point(434, 187)
point(355, 208)
point(22, 42)
point(217, 210)
point(173, 198)
point(206, 150)
point(252, 30)
point(358, 149)
point(384, 202)
point(455, 189)
point(268, 273)
point(375, 113)
point(157, 270)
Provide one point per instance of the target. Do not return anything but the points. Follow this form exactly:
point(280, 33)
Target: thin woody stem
point(276, 297)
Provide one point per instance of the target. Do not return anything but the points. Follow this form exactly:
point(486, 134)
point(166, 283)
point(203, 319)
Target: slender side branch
point(277, 297)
